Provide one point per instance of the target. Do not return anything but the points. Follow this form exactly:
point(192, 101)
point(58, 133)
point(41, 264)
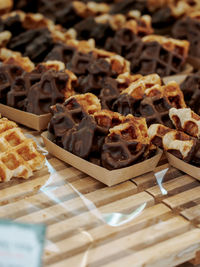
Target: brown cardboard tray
point(179, 78)
point(183, 166)
point(102, 174)
point(36, 122)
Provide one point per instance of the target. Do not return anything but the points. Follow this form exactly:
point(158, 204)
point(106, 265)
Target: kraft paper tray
point(102, 174)
point(36, 122)
point(183, 166)
point(179, 78)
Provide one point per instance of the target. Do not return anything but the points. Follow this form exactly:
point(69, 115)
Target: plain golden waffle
point(18, 155)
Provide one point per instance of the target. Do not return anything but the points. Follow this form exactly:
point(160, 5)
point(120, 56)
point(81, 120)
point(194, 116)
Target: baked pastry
point(81, 127)
point(18, 155)
point(187, 28)
point(186, 120)
point(31, 34)
point(176, 142)
point(191, 90)
point(47, 84)
point(151, 54)
point(125, 144)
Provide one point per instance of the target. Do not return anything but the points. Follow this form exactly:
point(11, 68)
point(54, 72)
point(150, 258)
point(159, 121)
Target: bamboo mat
point(164, 231)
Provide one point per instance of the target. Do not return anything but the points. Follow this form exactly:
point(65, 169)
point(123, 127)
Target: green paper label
point(21, 245)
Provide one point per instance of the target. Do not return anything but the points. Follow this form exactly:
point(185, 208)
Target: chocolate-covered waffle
point(171, 91)
point(165, 56)
point(151, 54)
point(109, 93)
point(91, 65)
point(79, 139)
point(186, 120)
point(8, 73)
point(104, 27)
point(155, 110)
point(125, 145)
point(191, 90)
point(188, 28)
point(31, 34)
point(129, 100)
point(51, 89)
point(176, 142)
point(157, 102)
point(71, 112)
point(17, 95)
point(125, 6)
point(166, 13)
point(86, 138)
point(15, 58)
point(69, 13)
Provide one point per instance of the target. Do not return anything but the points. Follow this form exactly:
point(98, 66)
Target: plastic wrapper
point(85, 218)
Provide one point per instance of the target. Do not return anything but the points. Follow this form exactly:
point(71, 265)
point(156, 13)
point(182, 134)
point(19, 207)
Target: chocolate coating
point(34, 43)
point(126, 104)
point(49, 91)
point(155, 110)
point(191, 90)
point(118, 152)
point(188, 29)
point(8, 74)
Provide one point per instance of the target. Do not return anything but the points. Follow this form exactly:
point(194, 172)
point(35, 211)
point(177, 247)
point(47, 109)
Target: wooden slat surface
point(81, 214)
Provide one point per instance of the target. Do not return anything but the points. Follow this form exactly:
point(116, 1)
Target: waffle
point(8, 74)
point(70, 13)
point(46, 90)
point(171, 92)
point(125, 79)
point(129, 100)
point(137, 88)
point(166, 12)
point(186, 120)
point(184, 7)
point(125, 42)
point(191, 90)
point(89, 102)
point(126, 104)
point(161, 55)
point(21, 84)
point(70, 113)
point(177, 143)
point(125, 145)
point(188, 28)
point(107, 118)
point(170, 44)
point(155, 110)
point(82, 128)
point(156, 133)
point(109, 93)
point(51, 89)
point(18, 155)
point(85, 138)
point(124, 7)
point(91, 66)
point(5, 6)
point(15, 58)
point(31, 34)
point(102, 28)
